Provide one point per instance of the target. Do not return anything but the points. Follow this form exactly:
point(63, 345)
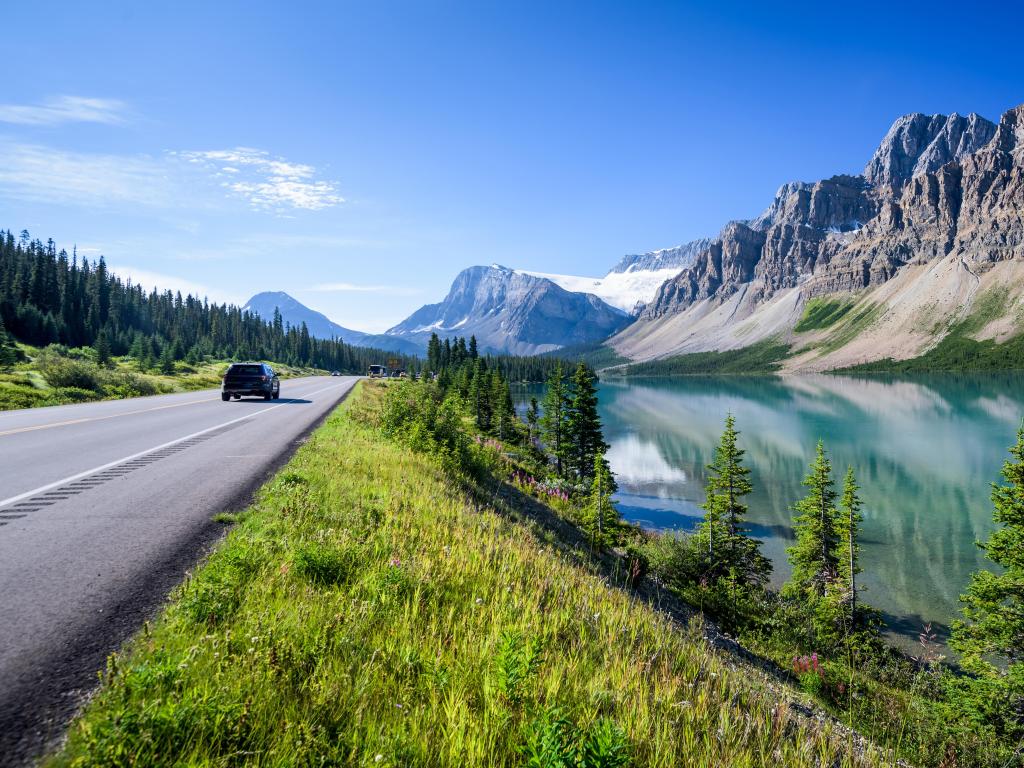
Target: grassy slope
point(959, 350)
point(24, 386)
point(763, 357)
point(367, 612)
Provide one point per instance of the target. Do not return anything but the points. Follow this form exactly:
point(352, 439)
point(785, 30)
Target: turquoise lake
point(926, 450)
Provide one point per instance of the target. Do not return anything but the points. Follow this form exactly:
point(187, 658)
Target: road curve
point(103, 506)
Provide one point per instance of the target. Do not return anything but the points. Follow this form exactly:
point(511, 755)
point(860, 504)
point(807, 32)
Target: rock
point(513, 312)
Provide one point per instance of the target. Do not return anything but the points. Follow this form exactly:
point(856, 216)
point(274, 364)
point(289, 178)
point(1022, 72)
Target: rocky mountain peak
point(918, 143)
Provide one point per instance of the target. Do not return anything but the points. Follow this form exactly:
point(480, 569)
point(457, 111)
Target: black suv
point(256, 379)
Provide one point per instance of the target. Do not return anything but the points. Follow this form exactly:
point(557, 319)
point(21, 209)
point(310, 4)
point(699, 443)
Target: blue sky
point(358, 156)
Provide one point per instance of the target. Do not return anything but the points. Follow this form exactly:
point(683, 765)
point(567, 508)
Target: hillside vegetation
point(373, 608)
point(57, 375)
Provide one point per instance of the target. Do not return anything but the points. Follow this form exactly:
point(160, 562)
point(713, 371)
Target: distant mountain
point(513, 312)
point(635, 280)
point(320, 326)
point(928, 241)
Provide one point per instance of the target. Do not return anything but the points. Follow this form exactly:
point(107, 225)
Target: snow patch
point(623, 290)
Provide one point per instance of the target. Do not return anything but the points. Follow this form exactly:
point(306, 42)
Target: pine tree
point(602, 518)
point(815, 556)
point(990, 636)
point(9, 354)
point(480, 395)
point(102, 349)
point(473, 354)
point(730, 550)
point(503, 412)
point(434, 353)
point(583, 436)
point(849, 549)
point(167, 361)
point(533, 418)
point(554, 420)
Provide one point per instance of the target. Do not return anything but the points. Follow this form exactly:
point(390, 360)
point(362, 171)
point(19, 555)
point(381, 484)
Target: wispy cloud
point(268, 182)
point(393, 290)
point(65, 109)
point(45, 174)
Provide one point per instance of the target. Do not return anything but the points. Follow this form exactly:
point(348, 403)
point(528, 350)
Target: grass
point(823, 313)
point(958, 351)
point(597, 355)
point(370, 609)
point(760, 358)
point(49, 377)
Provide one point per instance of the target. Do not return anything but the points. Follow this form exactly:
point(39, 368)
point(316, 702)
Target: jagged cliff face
point(937, 187)
point(679, 257)
point(514, 312)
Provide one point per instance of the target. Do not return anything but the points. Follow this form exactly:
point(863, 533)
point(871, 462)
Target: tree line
point(48, 296)
point(451, 352)
point(821, 606)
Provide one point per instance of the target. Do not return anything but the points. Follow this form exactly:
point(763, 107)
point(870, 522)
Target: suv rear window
point(247, 370)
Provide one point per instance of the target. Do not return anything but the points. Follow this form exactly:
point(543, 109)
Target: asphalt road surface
point(103, 507)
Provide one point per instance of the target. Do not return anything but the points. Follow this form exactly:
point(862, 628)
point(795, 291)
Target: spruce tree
point(849, 548)
point(434, 353)
point(167, 361)
point(473, 354)
point(480, 395)
point(584, 439)
point(730, 550)
point(503, 412)
point(533, 418)
point(554, 420)
point(102, 349)
point(9, 354)
point(602, 518)
point(990, 636)
point(815, 556)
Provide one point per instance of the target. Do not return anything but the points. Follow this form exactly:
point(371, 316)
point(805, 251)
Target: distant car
point(335, 373)
point(253, 379)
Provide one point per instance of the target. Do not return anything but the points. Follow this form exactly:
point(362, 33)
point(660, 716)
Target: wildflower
point(479, 601)
point(378, 758)
point(395, 562)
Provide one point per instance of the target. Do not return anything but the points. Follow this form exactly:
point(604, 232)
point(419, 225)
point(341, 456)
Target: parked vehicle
point(378, 372)
point(253, 379)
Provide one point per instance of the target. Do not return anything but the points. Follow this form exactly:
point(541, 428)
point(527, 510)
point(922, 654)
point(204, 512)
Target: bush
point(415, 414)
point(65, 395)
point(60, 371)
point(128, 384)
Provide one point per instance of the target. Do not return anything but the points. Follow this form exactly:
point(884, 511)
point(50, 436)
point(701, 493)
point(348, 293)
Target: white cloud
point(44, 174)
point(394, 290)
point(162, 282)
point(65, 109)
point(267, 182)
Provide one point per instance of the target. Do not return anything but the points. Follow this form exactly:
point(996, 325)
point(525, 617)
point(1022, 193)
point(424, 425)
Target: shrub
point(128, 384)
point(60, 371)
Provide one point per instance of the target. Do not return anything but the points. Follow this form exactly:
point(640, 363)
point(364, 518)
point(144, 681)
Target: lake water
point(925, 449)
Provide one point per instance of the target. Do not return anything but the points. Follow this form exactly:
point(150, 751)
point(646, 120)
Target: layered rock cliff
point(940, 201)
point(850, 232)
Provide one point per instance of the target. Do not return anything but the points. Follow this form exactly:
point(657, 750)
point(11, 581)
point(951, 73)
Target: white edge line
point(116, 462)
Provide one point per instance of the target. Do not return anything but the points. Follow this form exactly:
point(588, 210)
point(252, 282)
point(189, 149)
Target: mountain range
point(295, 313)
point(514, 312)
point(926, 240)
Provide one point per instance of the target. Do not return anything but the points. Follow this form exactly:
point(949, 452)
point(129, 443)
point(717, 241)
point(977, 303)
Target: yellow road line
point(102, 418)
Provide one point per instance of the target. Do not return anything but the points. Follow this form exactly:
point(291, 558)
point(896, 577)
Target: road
point(103, 507)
